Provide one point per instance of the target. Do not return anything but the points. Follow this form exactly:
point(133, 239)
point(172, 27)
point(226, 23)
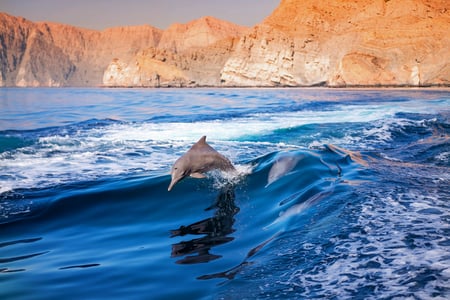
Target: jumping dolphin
point(200, 159)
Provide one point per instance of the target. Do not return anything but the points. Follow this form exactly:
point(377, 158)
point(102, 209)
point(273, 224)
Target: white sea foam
point(401, 244)
point(231, 129)
point(124, 148)
point(118, 149)
point(443, 156)
point(233, 178)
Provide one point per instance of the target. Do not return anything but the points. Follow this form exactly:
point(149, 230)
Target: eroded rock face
point(200, 33)
point(302, 43)
point(263, 57)
point(144, 70)
point(191, 54)
point(50, 54)
point(345, 43)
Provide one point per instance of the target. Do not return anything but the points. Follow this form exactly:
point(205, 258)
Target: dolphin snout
point(174, 181)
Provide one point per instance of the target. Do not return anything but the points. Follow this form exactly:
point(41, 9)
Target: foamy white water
point(91, 153)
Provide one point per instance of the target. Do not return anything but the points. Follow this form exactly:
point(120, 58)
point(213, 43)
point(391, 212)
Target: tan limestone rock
point(143, 70)
point(345, 43)
point(51, 54)
point(302, 43)
point(191, 54)
point(198, 34)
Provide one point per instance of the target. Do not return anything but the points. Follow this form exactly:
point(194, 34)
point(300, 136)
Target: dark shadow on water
point(216, 231)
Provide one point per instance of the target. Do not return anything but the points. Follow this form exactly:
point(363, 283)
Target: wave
point(96, 149)
point(304, 216)
point(328, 203)
point(294, 186)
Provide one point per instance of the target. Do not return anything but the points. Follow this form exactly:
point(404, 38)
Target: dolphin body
point(282, 166)
point(200, 159)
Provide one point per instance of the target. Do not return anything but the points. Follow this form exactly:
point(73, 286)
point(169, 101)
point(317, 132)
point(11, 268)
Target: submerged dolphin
point(200, 159)
point(282, 166)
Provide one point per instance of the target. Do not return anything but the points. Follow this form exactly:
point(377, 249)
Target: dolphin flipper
point(197, 175)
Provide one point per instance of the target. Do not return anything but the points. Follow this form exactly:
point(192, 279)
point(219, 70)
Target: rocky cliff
point(345, 43)
point(302, 43)
point(191, 54)
point(50, 54)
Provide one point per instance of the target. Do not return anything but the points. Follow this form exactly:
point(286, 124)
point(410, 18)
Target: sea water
point(340, 194)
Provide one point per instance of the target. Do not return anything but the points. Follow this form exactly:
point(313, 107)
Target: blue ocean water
point(341, 194)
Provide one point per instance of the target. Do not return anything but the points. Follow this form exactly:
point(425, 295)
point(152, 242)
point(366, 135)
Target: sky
point(101, 14)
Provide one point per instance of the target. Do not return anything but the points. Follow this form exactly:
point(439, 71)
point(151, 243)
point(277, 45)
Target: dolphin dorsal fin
point(201, 143)
point(202, 140)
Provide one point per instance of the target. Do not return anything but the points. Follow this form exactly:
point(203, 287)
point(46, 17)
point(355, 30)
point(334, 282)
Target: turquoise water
point(341, 194)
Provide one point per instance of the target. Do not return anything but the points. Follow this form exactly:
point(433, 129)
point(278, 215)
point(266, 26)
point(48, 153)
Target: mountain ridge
point(302, 43)
point(54, 54)
point(345, 43)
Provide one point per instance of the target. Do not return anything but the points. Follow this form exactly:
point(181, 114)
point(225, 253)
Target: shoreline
point(347, 87)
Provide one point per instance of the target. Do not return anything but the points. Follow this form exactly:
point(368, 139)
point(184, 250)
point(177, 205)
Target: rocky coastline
point(340, 43)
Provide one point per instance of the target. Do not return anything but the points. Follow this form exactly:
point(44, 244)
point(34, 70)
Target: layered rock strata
point(50, 54)
point(302, 43)
point(345, 43)
point(191, 54)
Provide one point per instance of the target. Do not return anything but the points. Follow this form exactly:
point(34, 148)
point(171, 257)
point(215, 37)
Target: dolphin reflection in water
point(215, 231)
